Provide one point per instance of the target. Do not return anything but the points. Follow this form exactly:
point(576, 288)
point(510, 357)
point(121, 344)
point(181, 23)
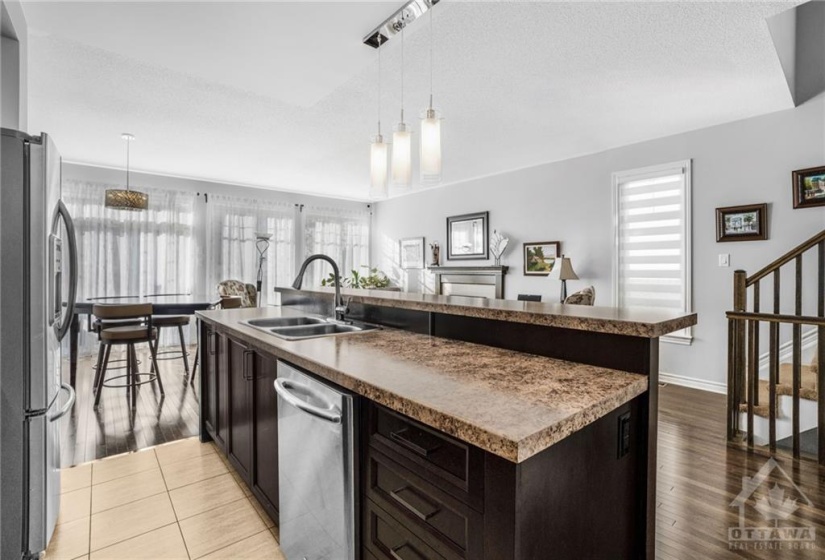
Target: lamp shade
point(401, 157)
point(124, 199)
point(378, 168)
point(430, 148)
point(563, 270)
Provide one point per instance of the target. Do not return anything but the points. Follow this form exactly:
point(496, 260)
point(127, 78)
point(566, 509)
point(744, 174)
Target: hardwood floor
point(700, 475)
point(88, 433)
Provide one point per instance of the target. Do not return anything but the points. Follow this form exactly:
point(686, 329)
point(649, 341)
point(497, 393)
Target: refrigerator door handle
point(69, 403)
point(61, 328)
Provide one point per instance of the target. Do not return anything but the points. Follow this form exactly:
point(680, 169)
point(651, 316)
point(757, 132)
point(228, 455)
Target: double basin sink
point(299, 328)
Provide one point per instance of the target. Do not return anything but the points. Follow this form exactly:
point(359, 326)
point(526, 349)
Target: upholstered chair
point(247, 292)
point(586, 296)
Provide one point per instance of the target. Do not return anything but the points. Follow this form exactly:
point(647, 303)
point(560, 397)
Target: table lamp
point(563, 270)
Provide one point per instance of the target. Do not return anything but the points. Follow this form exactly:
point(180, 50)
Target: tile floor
point(176, 501)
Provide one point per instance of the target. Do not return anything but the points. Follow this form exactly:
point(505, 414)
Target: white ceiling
point(282, 95)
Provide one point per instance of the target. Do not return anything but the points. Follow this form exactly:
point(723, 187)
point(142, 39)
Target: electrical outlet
point(724, 260)
point(624, 435)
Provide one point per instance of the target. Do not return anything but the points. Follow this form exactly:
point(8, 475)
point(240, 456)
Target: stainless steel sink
point(299, 328)
point(284, 322)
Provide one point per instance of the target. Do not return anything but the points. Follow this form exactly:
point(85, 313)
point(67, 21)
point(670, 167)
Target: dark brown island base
point(488, 429)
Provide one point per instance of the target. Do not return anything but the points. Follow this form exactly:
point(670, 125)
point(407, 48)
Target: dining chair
point(139, 330)
point(247, 292)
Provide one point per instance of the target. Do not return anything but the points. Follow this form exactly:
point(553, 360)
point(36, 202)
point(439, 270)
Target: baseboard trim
point(694, 383)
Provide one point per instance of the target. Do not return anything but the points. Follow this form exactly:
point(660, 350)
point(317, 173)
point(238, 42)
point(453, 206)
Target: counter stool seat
point(128, 334)
point(170, 320)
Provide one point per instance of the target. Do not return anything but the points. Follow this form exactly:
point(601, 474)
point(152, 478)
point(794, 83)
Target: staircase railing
point(744, 341)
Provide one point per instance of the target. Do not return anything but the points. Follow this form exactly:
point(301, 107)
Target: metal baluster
point(797, 357)
point(777, 275)
point(755, 356)
point(820, 350)
point(773, 374)
point(751, 379)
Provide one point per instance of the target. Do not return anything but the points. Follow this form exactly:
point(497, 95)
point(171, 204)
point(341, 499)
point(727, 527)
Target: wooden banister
point(786, 258)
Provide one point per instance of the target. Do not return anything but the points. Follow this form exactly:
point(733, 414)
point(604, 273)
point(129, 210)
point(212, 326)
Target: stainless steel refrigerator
point(38, 279)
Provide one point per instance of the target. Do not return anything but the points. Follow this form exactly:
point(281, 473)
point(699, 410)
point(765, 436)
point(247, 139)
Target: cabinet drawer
point(450, 526)
point(418, 447)
point(387, 539)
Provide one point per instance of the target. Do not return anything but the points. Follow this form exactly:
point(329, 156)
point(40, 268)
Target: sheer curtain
point(131, 253)
point(343, 234)
point(232, 225)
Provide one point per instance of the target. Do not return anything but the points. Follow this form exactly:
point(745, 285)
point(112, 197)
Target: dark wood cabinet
point(265, 400)
point(209, 390)
point(221, 383)
point(239, 411)
point(241, 374)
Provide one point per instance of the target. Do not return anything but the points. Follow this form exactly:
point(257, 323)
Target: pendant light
point(430, 154)
point(378, 149)
point(126, 199)
point(401, 141)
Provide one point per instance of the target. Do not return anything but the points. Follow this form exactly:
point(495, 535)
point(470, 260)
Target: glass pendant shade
point(402, 156)
point(378, 168)
point(121, 199)
point(430, 148)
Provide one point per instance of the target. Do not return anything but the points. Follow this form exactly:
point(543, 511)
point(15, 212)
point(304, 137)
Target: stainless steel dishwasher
point(316, 464)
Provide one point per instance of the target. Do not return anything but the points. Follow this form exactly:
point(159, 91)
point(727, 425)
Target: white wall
point(744, 162)
point(13, 66)
point(110, 176)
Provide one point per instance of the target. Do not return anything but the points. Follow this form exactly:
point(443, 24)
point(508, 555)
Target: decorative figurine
point(498, 244)
point(436, 251)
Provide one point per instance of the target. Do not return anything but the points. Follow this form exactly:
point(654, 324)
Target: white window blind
point(653, 239)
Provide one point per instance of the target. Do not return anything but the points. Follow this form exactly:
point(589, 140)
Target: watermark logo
point(776, 504)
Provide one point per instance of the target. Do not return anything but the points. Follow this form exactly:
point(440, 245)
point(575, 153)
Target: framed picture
point(412, 252)
point(540, 257)
point(742, 223)
point(809, 187)
point(468, 237)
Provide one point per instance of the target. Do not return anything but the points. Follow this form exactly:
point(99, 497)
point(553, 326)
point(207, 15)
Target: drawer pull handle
point(406, 552)
point(415, 502)
point(399, 437)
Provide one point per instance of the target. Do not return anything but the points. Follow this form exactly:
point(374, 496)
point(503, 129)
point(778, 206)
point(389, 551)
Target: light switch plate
point(724, 259)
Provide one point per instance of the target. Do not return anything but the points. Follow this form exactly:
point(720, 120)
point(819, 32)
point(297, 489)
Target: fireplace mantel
point(472, 281)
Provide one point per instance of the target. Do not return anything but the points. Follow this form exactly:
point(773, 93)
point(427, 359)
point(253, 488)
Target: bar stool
point(128, 335)
point(171, 321)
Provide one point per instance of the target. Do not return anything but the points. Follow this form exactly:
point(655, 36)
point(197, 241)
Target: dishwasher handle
point(282, 387)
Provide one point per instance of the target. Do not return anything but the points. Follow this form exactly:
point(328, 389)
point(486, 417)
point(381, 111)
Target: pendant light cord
point(402, 73)
point(127, 164)
point(432, 33)
point(379, 84)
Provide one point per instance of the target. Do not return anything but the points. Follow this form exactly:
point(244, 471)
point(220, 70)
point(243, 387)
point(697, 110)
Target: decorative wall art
point(742, 223)
point(809, 187)
point(540, 256)
point(467, 237)
point(412, 252)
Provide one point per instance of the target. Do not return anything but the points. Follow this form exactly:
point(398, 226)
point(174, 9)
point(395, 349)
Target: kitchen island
point(518, 451)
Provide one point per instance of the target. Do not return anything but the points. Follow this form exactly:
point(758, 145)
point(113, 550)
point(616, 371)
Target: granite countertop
point(646, 323)
point(508, 403)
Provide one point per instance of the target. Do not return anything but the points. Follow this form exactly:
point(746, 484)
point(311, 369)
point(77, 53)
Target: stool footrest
point(151, 377)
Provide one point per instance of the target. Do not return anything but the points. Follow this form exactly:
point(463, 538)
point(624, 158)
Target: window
point(652, 266)
point(342, 234)
point(232, 245)
point(131, 253)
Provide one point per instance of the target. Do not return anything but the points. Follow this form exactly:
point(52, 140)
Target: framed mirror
point(467, 236)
